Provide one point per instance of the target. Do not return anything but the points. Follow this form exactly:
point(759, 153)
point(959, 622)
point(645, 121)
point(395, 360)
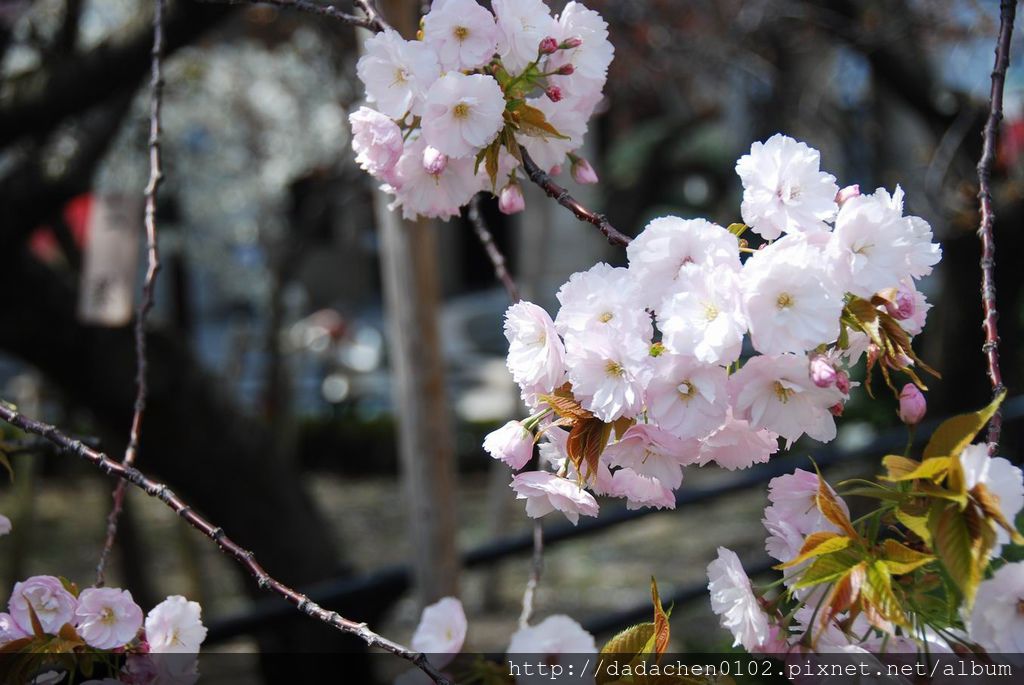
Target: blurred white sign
point(110, 264)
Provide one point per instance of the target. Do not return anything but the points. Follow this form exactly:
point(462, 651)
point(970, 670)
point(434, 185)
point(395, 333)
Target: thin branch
point(244, 557)
point(990, 135)
point(156, 86)
point(371, 21)
point(562, 197)
point(536, 568)
point(491, 248)
point(372, 15)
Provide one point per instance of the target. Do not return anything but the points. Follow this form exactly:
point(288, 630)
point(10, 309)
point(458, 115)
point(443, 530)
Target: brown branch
point(491, 248)
point(243, 556)
point(990, 135)
point(156, 86)
point(371, 21)
point(562, 197)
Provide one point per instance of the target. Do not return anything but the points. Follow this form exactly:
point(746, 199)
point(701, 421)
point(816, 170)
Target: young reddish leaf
point(586, 442)
point(815, 545)
point(658, 642)
point(900, 559)
point(565, 405)
point(953, 435)
point(621, 425)
point(532, 122)
point(844, 593)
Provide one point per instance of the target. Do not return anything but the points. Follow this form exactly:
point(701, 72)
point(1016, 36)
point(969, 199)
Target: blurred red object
point(43, 243)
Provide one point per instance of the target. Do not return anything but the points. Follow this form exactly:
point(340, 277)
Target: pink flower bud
point(582, 172)
point(902, 307)
point(555, 170)
point(548, 46)
point(434, 161)
point(570, 43)
point(836, 409)
point(843, 382)
point(847, 192)
point(912, 405)
point(511, 200)
point(566, 70)
point(823, 373)
point(554, 93)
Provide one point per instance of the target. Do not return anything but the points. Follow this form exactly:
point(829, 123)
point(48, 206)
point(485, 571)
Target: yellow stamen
point(460, 111)
point(460, 33)
point(784, 301)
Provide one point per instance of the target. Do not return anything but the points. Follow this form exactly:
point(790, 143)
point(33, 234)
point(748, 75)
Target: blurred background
point(272, 406)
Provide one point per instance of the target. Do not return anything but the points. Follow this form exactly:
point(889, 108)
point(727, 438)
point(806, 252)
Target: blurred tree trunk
point(409, 267)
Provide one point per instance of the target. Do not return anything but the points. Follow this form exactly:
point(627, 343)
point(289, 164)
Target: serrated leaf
point(830, 509)
point(621, 649)
point(896, 466)
point(989, 503)
point(917, 523)
point(900, 559)
point(933, 491)
point(815, 545)
point(953, 435)
point(932, 469)
point(585, 443)
point(844, 593)
point(951, 541)
point(827, 568)
point(878, 600)
point(532, 122)
point(658, 642)
point(565, 405)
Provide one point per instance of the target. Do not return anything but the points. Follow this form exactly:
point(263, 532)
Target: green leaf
point(532, 122)
point(737, 229)
point(952, 543)
point(900, 559)
point(827, 568)
point(917, 523)
point(815, 545)
point(930, 469)
point(878, 599)
point(953, 435)
point(621, 649)
point(896, 466)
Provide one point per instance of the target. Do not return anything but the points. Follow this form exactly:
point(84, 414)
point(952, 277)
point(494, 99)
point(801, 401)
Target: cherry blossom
point(608, 373)
point(995, 622)
point(704, 317)
point(441, 631)
point(463, 113)
point(738, 445)
point(377, 141)
point(686, 396)
point(600, 299)
point(558, 634)
point(783, 188)
point(52, 603)
point(536, 355)
point(641, 490)
point(462, 33)
point(512, 444)
point(421, 193)
point(175, 626)
point(397, 73)
point(1001, 478)
point(107, 617)
point(545, 492)
point(733, 600)
point(653, 452)
point(9, 629)
point(523, 25)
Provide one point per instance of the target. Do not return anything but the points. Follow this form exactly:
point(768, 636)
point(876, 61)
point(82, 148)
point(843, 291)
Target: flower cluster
point(706, 350)
point(46, 614)
point(850, 589)
point(453, 107)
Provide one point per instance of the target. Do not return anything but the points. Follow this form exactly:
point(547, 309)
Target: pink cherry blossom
point(582, 172)
point(545, 492)
point(1003, 479)
point(733, 600)
point(608, 372)
point(377, 141)
point(107, 617)
point(397, 73)
point(463, 113)
point(9, 629)
point(704, 317)
point(653, 452)
point(511, 200)
point(738, 445)
point(536, 355)
point(175, 626)
point(783, 188)
point(912, 405)
point(420, 193)
point(640, 490)
point(53, 604)
point(603, 297)
point(685, 396)
point(555, 635)
point(522, 25)
point(462, 33)
point(511, 443)
point(441, 631)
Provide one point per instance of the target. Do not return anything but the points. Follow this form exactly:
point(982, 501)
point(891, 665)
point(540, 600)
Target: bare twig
point(491, 248)
point(244, 557)
point(371, 21)
point(536, 568)
point(990, 135)
point(372, 15)
point(562, 197)
point(156, 86)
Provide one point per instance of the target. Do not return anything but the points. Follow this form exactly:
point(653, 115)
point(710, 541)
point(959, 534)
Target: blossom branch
point(562, 197)
point(990, 135)
point(486, 239)
point(536, 568)
point(244, 557)
point(372, 21)
point(156, 86)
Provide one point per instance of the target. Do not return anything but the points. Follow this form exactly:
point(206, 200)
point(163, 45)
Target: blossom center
point(784, 301)
point(782, 392)
point(788, 194)
point(401, 76)
point(606, 317)
point(710, 311)
point(613, 369)
point(107, 616)
point(685, 390)
point(460, 33)
point(460, 111)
